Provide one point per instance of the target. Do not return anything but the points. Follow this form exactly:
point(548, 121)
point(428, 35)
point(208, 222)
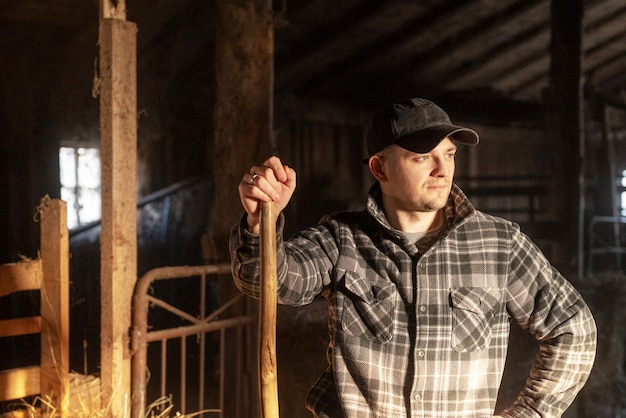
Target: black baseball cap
point(417, 125)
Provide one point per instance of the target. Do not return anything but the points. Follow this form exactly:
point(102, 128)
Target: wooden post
point(55, 304)
point(268, 375)
point(118, 240)
point(566, 126)
point(244, 47)
point(113, 9)
point(244, 53)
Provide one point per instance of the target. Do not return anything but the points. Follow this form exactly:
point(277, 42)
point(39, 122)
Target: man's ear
point(377, 168)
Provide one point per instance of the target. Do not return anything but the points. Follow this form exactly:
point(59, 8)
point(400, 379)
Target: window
point(80, 184)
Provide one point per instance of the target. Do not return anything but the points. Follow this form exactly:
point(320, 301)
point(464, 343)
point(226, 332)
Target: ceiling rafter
point(358, 50)
point(479, 43)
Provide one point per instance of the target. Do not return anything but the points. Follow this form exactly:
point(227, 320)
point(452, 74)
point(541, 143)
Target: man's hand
point(269, 182)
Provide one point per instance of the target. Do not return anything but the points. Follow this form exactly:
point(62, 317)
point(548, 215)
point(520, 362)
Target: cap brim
point(425, 140)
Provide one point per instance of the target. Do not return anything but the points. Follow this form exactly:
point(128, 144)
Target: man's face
point(419, 182)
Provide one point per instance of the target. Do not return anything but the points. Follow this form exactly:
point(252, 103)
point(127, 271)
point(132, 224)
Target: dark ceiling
point(498, 47)
point(329, 49)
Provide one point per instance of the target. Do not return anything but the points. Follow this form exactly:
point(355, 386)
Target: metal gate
point(206, 320)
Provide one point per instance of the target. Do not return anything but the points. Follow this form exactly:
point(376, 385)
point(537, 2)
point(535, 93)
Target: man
point(420, 285)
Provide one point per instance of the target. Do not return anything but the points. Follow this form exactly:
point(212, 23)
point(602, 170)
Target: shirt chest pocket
point(367, 308)
point(473, 313)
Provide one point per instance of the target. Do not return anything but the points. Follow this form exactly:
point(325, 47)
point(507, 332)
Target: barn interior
point(542, 81)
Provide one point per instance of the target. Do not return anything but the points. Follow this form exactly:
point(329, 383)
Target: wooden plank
point(20, 326)
point(55, 327)
point(16, 277)
point(118, 241)
point(19, 383)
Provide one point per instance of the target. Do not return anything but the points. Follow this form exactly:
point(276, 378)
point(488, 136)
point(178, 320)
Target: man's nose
point(440, 169)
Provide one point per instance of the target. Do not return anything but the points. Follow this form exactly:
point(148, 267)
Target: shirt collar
point(457, 209)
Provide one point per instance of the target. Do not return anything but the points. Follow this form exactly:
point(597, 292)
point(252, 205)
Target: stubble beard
point(435, 203)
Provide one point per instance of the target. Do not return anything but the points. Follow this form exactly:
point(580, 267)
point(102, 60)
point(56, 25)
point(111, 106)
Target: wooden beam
point(118, 241)
point(244, 54)
point(55, 304)
point(565, 106)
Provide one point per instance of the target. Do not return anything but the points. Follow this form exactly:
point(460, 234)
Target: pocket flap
point(475, 299)
point(359, 287)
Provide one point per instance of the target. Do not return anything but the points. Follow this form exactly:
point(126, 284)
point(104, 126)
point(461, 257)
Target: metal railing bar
point(202, 371)
point(202, 313)
point(198, 328)
point(172, 309)
point(140, 336)
point(202, 343)
point(163, 366)
point(184, 315)
point(180, 272)
point(224, 307)
point(598, 245)
point(608, 219)
point(183, 375)
point(223, 369)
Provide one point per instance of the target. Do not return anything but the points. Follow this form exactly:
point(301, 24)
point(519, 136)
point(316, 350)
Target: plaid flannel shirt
point(425, 335)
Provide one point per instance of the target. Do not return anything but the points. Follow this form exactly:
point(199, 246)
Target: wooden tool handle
point(268, 382)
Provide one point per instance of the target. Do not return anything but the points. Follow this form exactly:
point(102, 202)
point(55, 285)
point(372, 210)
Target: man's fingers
point(270, 178)
point(277, 167)
point(270, 181)
point(255, 186)
point(250, 178)
point(290, 180)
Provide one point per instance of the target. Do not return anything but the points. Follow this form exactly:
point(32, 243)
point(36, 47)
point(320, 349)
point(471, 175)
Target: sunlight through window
point(80, 184)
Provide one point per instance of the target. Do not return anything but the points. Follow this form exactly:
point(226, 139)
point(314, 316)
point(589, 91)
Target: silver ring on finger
point(253, 178)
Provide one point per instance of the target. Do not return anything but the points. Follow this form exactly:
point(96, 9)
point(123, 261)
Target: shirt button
point(422, 308)
point(422, 265)
point(418, 397)
point(421, 354)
